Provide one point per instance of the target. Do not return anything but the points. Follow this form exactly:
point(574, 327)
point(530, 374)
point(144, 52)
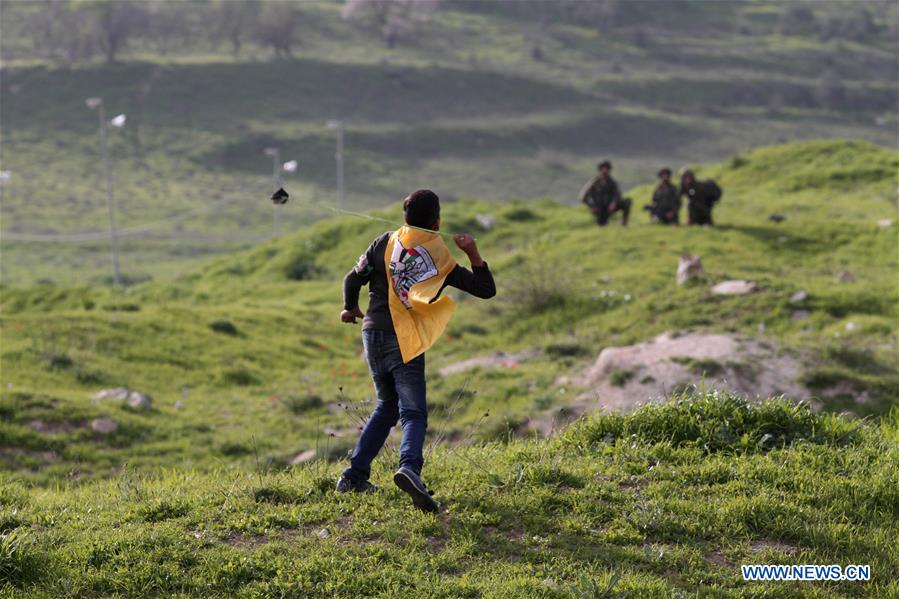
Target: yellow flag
point(417, 264)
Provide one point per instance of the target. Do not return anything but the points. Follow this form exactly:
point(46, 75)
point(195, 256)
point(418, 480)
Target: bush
point(302, 268)
point(299, 404)
point(620, 378)
point(240, 376)
point(718, 422)
point(566, 350)
point(223, 326)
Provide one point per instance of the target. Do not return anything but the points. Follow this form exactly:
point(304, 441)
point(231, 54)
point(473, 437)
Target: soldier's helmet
point(604, 163)
point(664, 171)
point(687, 173)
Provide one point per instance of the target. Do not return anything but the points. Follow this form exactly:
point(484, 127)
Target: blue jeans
point(401, 397)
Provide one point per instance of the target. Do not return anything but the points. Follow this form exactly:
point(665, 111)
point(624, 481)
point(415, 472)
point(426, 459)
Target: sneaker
point(345, 485)
point(409, 482)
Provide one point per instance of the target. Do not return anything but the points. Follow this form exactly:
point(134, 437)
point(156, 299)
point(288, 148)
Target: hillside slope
point(247, 365)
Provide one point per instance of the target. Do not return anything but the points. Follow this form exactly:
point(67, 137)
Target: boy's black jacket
point(370, 270)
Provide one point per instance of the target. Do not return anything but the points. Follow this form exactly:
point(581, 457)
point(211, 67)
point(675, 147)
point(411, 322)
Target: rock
point(138, 401)
point(761, 327)
point(689, 267)
point(133, 399)
point(798, 297)
point(845, 277)
point(117, 394)
point(486, 221)
point(104, 426)
point(179, 405)
point(850, 326)
point(734, 288)
point(798, 315)
point(303, 457)
point(884, 223)
point(323, 533)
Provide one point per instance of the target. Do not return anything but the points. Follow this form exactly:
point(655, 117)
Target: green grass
point(651, 504)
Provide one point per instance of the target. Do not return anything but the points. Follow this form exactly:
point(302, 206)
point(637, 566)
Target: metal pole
point(110, 199)
point(339, 157)
point(276, 184)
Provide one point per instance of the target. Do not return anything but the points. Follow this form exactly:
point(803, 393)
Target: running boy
point(406, 271)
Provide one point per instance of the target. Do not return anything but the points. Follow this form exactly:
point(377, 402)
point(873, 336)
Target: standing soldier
point(665, 208)
point(701, 197)
point(602, 195)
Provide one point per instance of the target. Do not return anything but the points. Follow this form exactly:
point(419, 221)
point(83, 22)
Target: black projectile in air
point(280, 196)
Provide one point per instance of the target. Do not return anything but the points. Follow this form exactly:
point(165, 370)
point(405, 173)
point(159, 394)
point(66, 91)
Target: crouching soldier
point(666, 202)
point(701, 197)
point(602, 195)
point(406, 272)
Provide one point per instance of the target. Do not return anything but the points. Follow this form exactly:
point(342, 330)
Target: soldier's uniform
point(603, 197)
point(701, 197)
point(666, 201)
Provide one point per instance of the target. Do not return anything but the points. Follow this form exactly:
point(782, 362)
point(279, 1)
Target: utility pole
point(341, 194)
point(275, 153)
point(119, 121)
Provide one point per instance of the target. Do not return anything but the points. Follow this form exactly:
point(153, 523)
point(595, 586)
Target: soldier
point(665, 207)
point(701, 197)
point(602, 195)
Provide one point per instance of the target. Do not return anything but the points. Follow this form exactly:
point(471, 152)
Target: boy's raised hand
point(467, 244)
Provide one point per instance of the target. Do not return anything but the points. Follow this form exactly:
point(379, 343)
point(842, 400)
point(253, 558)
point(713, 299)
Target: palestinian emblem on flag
point(409, 266)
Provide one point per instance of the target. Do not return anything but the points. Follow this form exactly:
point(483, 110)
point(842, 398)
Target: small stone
point(799, 296)
point(104, 426)
point(884, 223)
point(486, 221)
point(734, 288)
point(689, 267)
point(179, 405)
point(323, 533)
point(845, 277)
point(138, 401)
point(303, 457)
point(761, 327)
point(798, 315)
point(117, 394)
point(850, 326)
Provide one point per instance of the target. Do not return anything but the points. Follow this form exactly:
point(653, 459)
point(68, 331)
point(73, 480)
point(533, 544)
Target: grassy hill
point(459, 106)
point(247, 368)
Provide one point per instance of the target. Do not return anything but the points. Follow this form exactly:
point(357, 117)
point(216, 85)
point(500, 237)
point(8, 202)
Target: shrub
point(240, 376)
point(718, 422)
point(299, 404)
point(620, 378)
point(302, 268)
point(566, 350)
point(223, 326)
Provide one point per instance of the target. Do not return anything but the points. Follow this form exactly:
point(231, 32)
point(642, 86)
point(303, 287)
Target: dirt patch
point(243, 541)
point(717, 558)
point(497, 360)
point(60, 427)
point(622, 378)
point(770, 545)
